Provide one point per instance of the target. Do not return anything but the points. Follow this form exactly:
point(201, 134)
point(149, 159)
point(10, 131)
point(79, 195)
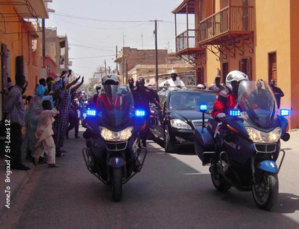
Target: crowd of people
point(45, 119)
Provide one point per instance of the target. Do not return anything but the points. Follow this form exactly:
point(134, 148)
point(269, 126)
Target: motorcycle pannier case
point(203, 144)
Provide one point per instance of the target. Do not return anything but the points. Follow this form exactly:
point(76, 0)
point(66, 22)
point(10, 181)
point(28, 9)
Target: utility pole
point(116, 62)
point(156, 47)
point(105, 67)
point(109, 69)
point(123, 67)
point(126, 69)
point(44, 42)
point(142, 41)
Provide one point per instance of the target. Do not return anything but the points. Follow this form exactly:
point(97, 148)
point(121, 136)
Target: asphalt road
point(172, 191)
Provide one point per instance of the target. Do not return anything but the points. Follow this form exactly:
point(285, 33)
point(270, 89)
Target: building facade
point(130, 57)
point(56, 52)
point(21, 42)
point(243, 35)
point(148, 72)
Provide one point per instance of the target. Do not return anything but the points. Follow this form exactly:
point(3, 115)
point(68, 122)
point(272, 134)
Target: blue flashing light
point(140, 113)
point(203, 107)
point(234, 112)
point(284, 112)
point(91, 112)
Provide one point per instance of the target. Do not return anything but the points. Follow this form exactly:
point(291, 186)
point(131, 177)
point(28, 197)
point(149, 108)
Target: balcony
point(227, 24)
point(186, 42)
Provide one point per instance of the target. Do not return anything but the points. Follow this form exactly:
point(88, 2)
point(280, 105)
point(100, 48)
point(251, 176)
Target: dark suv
point(179, 116)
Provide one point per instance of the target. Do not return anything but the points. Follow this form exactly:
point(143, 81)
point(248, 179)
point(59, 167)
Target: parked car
point(179, 116)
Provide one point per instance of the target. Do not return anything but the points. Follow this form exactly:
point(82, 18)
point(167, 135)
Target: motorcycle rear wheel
point(116, 184)
point(219, 181)
point(265, 193)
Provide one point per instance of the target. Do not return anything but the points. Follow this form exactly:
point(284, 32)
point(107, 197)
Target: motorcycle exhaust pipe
point(286, 137)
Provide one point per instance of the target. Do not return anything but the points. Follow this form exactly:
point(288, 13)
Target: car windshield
point(191, 100)
point(257, 100)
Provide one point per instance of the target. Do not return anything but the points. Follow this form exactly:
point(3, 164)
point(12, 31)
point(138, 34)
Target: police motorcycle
point(242, 149)
point(113, 152)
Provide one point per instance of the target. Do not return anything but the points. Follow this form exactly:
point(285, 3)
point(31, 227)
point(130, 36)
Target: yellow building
point(257, 37)
point(21, 41)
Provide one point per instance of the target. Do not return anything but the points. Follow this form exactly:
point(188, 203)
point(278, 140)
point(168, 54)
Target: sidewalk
point(17, 180)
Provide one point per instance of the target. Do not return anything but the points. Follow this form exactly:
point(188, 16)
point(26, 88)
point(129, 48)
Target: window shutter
point(240, 65)
point(249, 67)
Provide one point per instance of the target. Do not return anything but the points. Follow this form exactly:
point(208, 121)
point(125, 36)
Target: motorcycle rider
point(131, 84)
point(227, 98)
point(107, 97)
point(142, 97)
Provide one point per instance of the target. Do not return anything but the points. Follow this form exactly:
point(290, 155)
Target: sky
point(95, 27)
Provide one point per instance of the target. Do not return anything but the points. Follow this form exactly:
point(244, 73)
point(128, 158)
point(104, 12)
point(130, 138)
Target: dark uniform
point(142, 98)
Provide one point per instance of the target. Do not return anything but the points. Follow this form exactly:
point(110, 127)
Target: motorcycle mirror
point(220, 117)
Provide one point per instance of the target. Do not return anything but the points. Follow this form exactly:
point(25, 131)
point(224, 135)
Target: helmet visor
point(111, 90)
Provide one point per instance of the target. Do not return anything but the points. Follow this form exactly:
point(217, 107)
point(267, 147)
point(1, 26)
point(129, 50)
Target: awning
point(182, 8)
point(34, 8)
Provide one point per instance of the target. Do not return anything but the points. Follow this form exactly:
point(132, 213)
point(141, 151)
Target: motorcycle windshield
point(117, 107)
point(257, 100)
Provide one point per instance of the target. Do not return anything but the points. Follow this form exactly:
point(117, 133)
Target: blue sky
point(95, 27)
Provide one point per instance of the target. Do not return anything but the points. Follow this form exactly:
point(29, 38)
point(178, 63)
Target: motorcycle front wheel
point(219, 181)
point(116, 184)
point(265, 192)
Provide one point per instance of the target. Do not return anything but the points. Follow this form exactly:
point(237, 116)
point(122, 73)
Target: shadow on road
point(184, 150)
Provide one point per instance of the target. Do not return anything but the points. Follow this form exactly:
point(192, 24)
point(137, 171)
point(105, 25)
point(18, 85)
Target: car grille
point(119, 146)
point(265, 148)
point(198, 123)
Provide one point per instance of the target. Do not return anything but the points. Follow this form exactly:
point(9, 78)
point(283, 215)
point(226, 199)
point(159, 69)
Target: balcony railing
point(186, 40)
point(234, 20)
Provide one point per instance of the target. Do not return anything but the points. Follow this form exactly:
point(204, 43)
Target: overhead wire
point(90, 57)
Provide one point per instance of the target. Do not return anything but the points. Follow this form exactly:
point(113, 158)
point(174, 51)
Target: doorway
point(272, 75)
point(200, 76)
point(224, 71)
point(4, 74)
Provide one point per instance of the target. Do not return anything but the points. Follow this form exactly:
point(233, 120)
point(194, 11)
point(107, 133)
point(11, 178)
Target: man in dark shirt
point(277, 92)
point(217, 87)
point(142, 98)
point(131, 84)
point(15, 116)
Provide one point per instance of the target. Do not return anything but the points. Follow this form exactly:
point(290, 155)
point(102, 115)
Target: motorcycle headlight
point(179, 124)
point(259, 136)
point(123, 135)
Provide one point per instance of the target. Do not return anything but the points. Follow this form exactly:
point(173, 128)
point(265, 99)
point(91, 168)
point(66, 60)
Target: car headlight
point(123, 135)
point(179, 124)
point(259, 136)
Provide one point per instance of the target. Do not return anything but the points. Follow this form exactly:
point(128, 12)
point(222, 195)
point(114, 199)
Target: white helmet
point(235, 76)
point(201, 86)
point(110, 79)
point(110, 85)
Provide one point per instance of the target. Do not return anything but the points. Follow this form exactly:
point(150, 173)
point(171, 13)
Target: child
point(44, 134)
